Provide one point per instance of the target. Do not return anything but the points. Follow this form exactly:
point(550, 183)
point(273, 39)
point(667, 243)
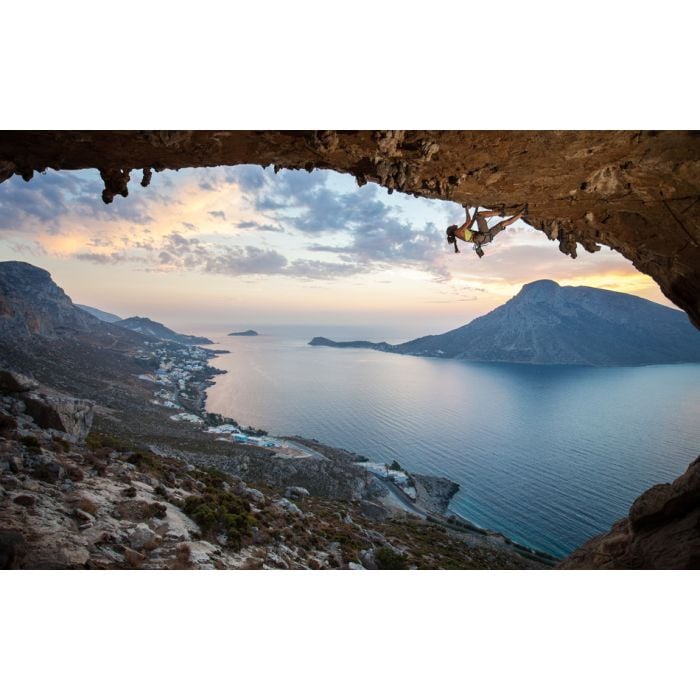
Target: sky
point(245, 246)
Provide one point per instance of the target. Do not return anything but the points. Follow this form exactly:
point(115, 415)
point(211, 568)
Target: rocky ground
point(71, 497)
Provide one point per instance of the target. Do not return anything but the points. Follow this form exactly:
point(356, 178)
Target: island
point(326, 342)
point(587, 326)
point(245, 333)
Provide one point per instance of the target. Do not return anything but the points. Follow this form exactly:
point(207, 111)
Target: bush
point(219, 512)
point(387, 558)
point(141, 459)
point(109, 443)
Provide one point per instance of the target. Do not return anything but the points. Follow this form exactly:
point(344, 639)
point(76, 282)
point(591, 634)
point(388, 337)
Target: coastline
point(431, 507)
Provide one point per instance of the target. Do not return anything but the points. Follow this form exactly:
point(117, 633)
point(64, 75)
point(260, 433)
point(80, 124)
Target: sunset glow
point(241, 244)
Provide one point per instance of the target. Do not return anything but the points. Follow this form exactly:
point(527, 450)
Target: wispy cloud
point(249, 222)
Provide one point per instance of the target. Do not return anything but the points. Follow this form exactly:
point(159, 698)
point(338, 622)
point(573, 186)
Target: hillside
point(98, 471)
point(30, 303)
point(157, 330)
point(549, 324)
point(98, 313)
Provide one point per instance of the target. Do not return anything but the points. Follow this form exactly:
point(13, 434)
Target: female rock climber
point(484, 234)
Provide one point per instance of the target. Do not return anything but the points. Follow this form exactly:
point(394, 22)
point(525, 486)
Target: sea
point(548, 455)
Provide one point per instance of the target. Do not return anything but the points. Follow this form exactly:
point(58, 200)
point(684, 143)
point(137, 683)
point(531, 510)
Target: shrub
point(96, 440)
point(220, 512)
point(141, 459)
point(387, 558)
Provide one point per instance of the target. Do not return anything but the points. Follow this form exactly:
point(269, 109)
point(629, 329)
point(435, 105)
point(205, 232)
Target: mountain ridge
point(105, 316)
point(146, 326)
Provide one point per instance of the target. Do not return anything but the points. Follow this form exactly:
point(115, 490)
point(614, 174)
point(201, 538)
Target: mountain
point(32, 305)
point(157, 330)
point(44, 334)
point(549, 324)
point(97, 313)
point(245, 333)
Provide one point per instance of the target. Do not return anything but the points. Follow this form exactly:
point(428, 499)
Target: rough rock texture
point(104, 505)
point(433, 492)
point(49, 411)
point(65, 413)
point(31, 303)
point(662, 531)
point(636, 191)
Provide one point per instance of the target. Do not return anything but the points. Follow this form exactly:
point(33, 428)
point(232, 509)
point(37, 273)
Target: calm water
point(549, 456)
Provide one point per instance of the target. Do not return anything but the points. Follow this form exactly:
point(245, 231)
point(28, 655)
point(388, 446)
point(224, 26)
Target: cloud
point(103, 258)
point(325, 227)
point(259, 227)
point(378, 234)
point(239, 261)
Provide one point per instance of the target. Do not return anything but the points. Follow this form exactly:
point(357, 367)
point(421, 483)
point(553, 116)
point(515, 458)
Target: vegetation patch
point(219, 512)
point(387, 558)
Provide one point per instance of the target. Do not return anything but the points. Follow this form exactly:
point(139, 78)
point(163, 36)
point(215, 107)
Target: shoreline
point(442, 516)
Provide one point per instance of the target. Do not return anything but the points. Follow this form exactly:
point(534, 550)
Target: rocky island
point(548, 324)
point(245, 333)
point(364, 344)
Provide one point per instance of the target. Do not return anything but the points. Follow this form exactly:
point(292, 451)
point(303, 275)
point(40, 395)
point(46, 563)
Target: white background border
point(265, 65)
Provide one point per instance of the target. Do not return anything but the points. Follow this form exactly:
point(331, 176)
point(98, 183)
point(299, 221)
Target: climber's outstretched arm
point(460, 233)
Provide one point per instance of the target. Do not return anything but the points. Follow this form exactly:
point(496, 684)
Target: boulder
point(295, 492)
point(288, 506)
point(15, 382)
point(367, 559)
point(253, 494)
point(69, 415)
point(142, 537)
point(373, 511)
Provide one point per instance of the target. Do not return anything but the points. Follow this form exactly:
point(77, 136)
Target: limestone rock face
point(50, 411)
point(16, 382)
point(67, 414)
point(636, 191)
point(31, 303)
point(662, 531)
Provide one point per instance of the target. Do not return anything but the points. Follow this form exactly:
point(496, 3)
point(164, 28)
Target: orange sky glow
point(243, 246)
